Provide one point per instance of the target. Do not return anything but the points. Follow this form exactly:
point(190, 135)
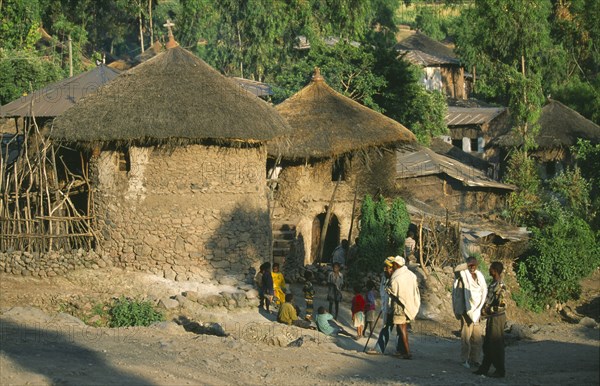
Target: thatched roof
point(56, 98)
point(421, 50)
point(173, 97)
point(326, 124)
point(560, 126)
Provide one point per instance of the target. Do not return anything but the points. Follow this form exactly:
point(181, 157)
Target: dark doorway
point(332, 239)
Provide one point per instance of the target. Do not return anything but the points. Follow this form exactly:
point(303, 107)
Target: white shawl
point(405, 287)
point(475, 293)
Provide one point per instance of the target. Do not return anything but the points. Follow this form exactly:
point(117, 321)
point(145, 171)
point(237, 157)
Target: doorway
point(332, 239)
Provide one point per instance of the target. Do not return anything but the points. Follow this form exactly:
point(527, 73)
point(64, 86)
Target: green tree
point(563, 251)
point(525, 202)
point(399, 222)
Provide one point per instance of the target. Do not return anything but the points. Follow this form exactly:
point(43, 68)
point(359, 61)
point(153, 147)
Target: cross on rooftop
point(169, 24)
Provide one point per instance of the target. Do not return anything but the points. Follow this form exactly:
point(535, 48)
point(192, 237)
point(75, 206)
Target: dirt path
point(41, 348)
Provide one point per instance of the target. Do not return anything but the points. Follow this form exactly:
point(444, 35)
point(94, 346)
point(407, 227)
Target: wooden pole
point(150, 21)
point(70, 56)
point(141, 28)
point(326, 222)
point(353, 211)
point(421, 247)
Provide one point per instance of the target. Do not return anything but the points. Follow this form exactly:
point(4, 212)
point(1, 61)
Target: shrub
point(563, 252)
point(382, 233)
point(126, 312)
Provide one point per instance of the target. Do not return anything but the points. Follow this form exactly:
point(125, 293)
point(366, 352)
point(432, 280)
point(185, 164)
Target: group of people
point(472, 301)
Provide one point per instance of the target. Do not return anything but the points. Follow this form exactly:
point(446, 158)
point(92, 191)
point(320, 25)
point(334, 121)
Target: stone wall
point(51, 263)
point(190, 212)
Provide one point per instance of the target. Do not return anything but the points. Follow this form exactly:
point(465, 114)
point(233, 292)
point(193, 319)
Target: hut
point(338, 150)
point(177, 159)
point(560, 128)
point(442, 70)
point(445, 184)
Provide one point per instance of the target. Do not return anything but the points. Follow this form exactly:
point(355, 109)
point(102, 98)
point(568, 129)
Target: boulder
point(228, 280)
point(168, 303)
point(588, 322)
point(251, 294)
point(521, 331)
point(191, 295)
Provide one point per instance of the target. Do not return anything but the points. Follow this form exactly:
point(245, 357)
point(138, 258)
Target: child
point(370, 307)
point(288, 315)
point(258, 282)
point(358, 316)
point(309, 294)
point(335, 281)
point(324, 324)
point(267, 285)
point(278, 285)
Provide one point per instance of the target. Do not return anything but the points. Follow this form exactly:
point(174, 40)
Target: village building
point(560, 129)
point(176, 156)
point(441, 184)
point(442, 70)
point(338, 151)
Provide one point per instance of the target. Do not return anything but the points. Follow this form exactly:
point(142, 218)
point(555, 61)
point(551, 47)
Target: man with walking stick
point(388, 324)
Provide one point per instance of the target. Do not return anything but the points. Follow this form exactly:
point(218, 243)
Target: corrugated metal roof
point(461, 116)
point(257, 88)
point(54, 99)
point(426, 162)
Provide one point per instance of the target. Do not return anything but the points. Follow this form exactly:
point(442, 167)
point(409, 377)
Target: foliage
point(22, 72)
point(562, 253)
point(383, 230)
point(404, 99)
point(502, 35)
point(126, 312)
point(588, 161)
point(572, 191)
point(523, 203)
point(346, 68)
point(399, 221)
point(428, 23)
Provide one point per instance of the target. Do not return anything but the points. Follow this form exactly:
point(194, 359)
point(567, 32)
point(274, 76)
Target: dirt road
point(41, 348)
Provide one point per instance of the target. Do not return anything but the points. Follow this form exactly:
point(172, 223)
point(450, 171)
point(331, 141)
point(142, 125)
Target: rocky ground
point(41, 342)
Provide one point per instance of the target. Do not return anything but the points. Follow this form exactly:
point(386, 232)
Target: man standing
point(339, 254)
point(405, 300)
point(495, 312)
point(468, 297)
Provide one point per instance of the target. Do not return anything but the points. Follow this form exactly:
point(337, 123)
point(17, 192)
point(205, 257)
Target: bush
point(563, 252)
point(126, 312)
point(382, 233)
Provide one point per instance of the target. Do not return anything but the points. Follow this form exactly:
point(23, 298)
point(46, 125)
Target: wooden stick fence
point(37, 213)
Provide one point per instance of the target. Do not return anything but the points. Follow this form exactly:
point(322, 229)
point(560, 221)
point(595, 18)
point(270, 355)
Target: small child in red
point(358, 315)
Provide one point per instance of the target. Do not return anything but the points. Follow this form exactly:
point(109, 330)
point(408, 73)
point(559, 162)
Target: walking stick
point(371, 334)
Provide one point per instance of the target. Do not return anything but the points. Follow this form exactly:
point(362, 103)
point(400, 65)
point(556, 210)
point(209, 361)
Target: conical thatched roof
point(560, 126)
point(173, 97)
point(326, 124)
point(422, 50)
point(56, 98)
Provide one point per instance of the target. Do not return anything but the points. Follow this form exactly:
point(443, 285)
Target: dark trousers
point(337, 308)
point(384, 334)
point(493, 344)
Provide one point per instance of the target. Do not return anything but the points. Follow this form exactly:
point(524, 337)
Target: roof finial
point(317, 75)
point(171, 43)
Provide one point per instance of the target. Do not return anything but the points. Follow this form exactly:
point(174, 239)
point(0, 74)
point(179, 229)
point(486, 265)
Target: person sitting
point(327, 326)
point(288, 315)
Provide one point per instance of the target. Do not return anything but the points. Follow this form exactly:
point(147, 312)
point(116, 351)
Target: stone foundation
point(50, 264)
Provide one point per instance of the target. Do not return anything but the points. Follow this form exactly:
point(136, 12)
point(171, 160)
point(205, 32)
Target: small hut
point(177, 161)
point(442, 70)
point(560, 128)
point(338, 150)
point(445, 184)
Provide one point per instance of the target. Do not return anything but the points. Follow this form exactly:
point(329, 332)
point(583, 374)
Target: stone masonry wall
point(304, 191)
point(191, 212)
